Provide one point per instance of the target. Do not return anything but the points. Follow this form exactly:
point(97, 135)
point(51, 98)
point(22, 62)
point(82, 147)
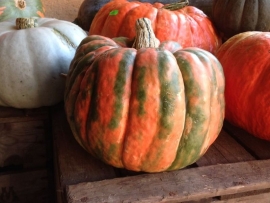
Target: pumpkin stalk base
point(21, 4)
point(176, 6)
point(145, 36)
point(24, 23)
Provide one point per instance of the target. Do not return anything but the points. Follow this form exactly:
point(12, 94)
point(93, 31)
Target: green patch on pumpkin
point(141, 94)
point(113, 13)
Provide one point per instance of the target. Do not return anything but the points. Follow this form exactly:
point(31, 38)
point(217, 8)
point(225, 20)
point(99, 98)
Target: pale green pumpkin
point(32, 60)
point(20, 8)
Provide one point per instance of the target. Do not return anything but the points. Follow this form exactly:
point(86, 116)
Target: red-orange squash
point(188, 25)
point(144, 109)
point(245, 59)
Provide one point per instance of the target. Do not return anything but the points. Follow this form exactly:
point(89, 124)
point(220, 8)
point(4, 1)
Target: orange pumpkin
point(187, 25)
point(146, 108)
point(245, 58)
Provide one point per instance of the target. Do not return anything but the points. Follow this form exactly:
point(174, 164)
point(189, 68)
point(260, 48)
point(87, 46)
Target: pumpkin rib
point(166, 19)
point(197, 91)
point(98, 45)
point(76, 78)
point(166, 150)
point(71, 96)
point(148, 123)
point(108, 132)
point(215, 72)
point(82, 107)
point(251, 20)
point(127, 27)
point(204, 31)
point(76, 73)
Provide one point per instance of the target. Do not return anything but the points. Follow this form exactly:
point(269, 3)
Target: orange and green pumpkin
point(144, 109)
point(245, 59)
point(10, 9)
point(187, 25)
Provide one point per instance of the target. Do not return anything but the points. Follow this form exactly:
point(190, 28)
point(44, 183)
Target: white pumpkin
point(32, 60)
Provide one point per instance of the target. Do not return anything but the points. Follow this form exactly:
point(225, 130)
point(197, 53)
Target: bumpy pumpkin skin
point(245, 59)
point(33, 59)
point(232, 17)
point(10, 9)
point(144, 110)
point(188, 26)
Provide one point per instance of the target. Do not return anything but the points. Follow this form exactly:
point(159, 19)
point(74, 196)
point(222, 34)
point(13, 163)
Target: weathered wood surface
point(8, 114)
point(23, 143)
point(23, 137)
point(25, 187)
point(234, 168)
point(224, 150)
point(176, 186)
point(25, 155)
point(257, 147)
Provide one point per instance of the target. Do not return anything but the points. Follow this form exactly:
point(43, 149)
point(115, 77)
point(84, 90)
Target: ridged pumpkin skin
point(32, 59)
point(188, 26)
point(10, 9)
point(232, 17)
point(245, 59)
point(89, 8)
point(144, 110)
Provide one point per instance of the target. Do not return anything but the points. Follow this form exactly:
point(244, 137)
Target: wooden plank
point(224, 150)
point(9, 115)
point(25, 187)
point(176, 186)
point(258, 195)
point(258, 147)
point(74, 164)
point(23, 143)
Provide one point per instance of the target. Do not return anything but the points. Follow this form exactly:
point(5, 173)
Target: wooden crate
point(25, 155)
point(236, 168)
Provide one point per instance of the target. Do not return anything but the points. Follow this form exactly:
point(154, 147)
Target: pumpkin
point(178, 22)
point(33, 58)
point(144, 106)
point(20, 8)
point(89, 8)
point(245, 59)
point(232, 17)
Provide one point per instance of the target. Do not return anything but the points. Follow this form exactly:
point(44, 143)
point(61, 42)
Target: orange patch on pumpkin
point(40, 14)
point(2, 10)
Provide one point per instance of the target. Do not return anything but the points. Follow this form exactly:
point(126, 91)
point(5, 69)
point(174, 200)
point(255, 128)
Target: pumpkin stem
point(24, 23)
point(176, 6)
point(145, 36)
point(21, 4)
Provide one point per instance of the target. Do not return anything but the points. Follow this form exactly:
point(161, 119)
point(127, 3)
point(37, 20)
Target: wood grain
point(25, 187)
point(176, 186)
